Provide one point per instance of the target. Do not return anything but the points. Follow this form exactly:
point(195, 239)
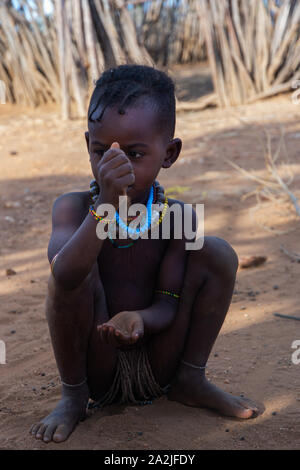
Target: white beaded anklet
point(75, 385)
point(192, 365)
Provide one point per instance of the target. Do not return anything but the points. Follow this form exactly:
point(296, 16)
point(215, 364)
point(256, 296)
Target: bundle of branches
point(93, 35)
point(253, 47)
point(57, 58)
point(28, 55)
point(169, 30)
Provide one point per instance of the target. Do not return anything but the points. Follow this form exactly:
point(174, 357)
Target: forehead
point(139, 124)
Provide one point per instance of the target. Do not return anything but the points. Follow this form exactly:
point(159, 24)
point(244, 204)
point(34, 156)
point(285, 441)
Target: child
point(130, 324)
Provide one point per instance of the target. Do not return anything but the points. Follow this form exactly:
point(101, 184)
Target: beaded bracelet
point(167, 292)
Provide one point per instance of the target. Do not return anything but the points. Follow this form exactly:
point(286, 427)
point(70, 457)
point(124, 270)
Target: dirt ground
point(41, 158)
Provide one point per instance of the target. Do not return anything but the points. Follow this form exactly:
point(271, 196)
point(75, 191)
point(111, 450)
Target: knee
point(218, 257)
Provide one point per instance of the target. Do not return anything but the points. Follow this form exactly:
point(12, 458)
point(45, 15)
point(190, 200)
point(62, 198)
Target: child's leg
point(205, 299)
point(72, 317)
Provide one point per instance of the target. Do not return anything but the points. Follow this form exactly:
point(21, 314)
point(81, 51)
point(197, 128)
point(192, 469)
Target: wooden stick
point(290, 317)
point(293, 256)
point(61, 26)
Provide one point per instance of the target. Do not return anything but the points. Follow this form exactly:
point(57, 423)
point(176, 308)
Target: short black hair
point(122, 86)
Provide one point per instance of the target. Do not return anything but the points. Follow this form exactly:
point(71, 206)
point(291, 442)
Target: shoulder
point(180, 222)
point(183, 209)
point(172, 202)
point(71, 207)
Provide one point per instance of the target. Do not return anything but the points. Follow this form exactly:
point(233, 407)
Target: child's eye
point(135, 155)
point(99, 152)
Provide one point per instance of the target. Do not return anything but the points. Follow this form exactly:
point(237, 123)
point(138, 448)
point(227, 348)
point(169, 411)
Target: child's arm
point(128, 326)
point(162, 312)
point(74, 236)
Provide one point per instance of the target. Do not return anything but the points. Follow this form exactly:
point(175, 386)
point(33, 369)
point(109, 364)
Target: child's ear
point(87, 139)
point(173, 151)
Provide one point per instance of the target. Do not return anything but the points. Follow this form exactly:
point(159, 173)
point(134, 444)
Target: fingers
point(116, 166)
point(126, 180)
point(137, 331)
point(118, 160)
point(115, 145)
point(115, 181)
point(112, 152)
point(108, 159)
point(123, 169)
point(106, 334)
point(135, 337)
point(111, 335)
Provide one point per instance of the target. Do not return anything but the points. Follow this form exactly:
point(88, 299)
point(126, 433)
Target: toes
point(249, 406)
point(48, 434)
point(34, 428)
point(40, 433)
point(244, 413)
point(245, 409)
point(62, 433)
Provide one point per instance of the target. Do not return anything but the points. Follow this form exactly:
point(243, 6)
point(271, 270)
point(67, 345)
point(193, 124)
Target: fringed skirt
point(134, 382)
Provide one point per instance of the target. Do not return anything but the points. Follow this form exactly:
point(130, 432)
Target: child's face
point(146, 146)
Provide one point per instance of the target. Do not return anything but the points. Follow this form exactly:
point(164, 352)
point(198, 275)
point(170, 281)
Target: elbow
point(66, 278)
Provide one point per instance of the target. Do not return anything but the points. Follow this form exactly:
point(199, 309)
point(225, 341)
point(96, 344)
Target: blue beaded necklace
point(130, 230)
point(147, 223)
point(94, 190)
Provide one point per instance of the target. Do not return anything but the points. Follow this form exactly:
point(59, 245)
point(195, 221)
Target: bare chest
point(129, 275)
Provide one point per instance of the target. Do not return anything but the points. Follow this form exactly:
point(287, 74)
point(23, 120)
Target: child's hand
point(115, 174)
point(124, 329)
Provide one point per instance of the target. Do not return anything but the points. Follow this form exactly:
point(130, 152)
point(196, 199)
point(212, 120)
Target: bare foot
point(192, 388)
point(59, 424)
point(124, 329)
